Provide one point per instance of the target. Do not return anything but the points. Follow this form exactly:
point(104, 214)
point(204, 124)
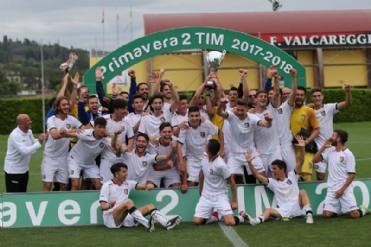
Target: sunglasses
point(252, 96)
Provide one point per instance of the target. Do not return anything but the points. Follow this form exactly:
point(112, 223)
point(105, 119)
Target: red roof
point(279, 22)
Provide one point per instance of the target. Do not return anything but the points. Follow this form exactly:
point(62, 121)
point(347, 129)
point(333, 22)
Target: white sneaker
point(309, 219)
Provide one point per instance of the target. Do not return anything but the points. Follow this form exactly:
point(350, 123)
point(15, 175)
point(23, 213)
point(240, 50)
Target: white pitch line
point(232, 235)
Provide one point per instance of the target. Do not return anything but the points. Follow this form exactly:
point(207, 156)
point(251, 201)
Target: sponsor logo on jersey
point(341, 159)
point(323, 113)
point(289, 182)
point(303, 117)
point(202, 134)
point(162, 119)
point(126, 191)
point(101, 145)
point(247, 125)
point(144, 163)
point(280, 111)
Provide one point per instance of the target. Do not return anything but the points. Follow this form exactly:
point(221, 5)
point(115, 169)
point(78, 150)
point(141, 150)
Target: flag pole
point(117, 23)
point(103, 31)
point(131, 24)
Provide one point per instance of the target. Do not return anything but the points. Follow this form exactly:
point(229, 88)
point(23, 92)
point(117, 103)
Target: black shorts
point(16, 182)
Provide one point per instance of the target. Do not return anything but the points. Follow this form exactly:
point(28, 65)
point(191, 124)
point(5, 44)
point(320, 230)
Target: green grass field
point(341, 231)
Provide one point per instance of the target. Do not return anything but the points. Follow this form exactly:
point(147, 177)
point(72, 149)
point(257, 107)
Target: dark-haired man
point(341, 172)
point(119, 210)
point(290, 201)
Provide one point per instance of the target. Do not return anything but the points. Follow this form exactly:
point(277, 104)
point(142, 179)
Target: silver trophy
point(214, 59)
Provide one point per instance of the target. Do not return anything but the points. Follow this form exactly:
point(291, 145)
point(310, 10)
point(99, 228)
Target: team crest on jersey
point(303, 117)
point(316, 167)
point(211, 171)
point(126, 191)
point(123, 128)
point(310, 165)
point(279, 111)
point(68, 126)
point(323, 113)
point(101, 145)
point(289, 182)
point(247, 125)
point(162, 119)
point(341, 159)
point(144, 163)
point(202, 134)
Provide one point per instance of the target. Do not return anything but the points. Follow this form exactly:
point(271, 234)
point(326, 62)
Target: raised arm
point(157, 77)
point(75, 81)
point(63, 86)
point(199, 91)
point(348, 98)
point(249, 157)
point(300, 162)
point(133, 89)
point(220, 110)
point(291, 100)
point(175, 103)
point(245, 87)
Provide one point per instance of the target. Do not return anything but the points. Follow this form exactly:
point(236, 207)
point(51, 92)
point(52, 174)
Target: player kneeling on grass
point(213, 189)
point(119, 210)
point(291, 202)
point(341, 172)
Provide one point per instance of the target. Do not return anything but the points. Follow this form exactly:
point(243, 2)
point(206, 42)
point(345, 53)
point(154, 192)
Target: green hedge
point(359, 111)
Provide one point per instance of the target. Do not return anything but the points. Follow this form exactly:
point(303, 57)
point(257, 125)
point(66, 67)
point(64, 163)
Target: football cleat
point(248, 218)
point(173, 222)
point(151, 223)
point(309, 219)
point(368, 211)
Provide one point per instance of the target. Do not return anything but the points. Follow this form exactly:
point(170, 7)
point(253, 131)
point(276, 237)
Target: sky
point(78, 23)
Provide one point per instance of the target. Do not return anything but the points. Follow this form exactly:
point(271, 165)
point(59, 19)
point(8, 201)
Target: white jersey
point(138, 166)
point(203, 113)
point(242, 132)
point(88, 147)
point(325, 117)
point(119, 193)
point(340, 165)
point(282, 116)
point(112, 125)
point(150, 124)
point(159, 149)
point(286, 191)
point(266, 139)
point(215, 173)
point(178, 119)
point(195, 139)
point(59, 148)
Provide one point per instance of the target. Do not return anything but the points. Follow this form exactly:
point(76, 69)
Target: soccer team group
point(133, 142)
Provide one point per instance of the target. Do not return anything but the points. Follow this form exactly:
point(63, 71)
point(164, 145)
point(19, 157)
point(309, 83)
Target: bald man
point(21, 144)
point(285, 94)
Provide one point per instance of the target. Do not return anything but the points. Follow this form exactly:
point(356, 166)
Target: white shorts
point(321, 167)
point(89, 170)
point(170, 176)
point(290, 210)
point(109, 221)
point(193, 170)
point(105, 169)
point(205, 206)
point(236, 162)
point(288, 155)
point(344, 204)
point(268, 159)
point(54, 170)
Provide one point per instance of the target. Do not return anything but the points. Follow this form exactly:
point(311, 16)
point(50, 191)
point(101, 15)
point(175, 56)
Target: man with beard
point(54, 164)
point(139, 159)
point(166, 170)
point(86, 117)
point(302, 119)
point(266, 139)
point(290, 201)
point(143, 90)
point(21, 144)
point(114, 121)
point(150, 123)
point(325, 116)
point(195, 138)
point(341, 172)
point(242, 125)
point(82, 156)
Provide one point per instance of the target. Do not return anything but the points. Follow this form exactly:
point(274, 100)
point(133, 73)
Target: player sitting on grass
point(290, 201)
point(119, 210)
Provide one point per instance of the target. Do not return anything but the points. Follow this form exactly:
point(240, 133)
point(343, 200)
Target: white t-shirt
point(286, 191)
point(195, 139)
point(150, 124)
point(18, 154)
point(178, 119)
point(266, 139)
point(282, 117)
point(215, 173)
point(138, 166)
point(325, 117)
point(242, 132)
point(119, 193)
point(60, 147)
point(340, 164)
point(88, 147)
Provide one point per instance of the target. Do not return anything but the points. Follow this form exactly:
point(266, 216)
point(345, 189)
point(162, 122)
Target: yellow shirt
point(303, 117)
point(218, 121)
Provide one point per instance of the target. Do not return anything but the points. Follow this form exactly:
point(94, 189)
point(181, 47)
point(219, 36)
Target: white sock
point(137, 215)
point(240, 218)
point(211, 220)
point(307, 208)
point(259, 219)
point(160, 218)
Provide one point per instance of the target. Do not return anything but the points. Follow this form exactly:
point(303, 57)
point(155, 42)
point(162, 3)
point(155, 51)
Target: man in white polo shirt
point(21, 144)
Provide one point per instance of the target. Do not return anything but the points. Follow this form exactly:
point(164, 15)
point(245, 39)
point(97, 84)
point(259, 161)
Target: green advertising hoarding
point(82, 208)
